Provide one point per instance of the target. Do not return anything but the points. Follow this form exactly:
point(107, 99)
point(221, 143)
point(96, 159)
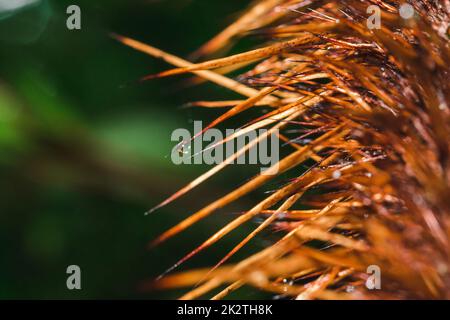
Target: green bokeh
point(84, 147)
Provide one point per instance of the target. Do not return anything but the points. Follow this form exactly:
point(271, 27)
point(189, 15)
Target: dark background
point(85, 148)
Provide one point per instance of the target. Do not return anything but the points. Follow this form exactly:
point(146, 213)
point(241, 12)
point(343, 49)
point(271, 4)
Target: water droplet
point(442, 269)
point(282, 215)
point(406, 11)
point(337, 174)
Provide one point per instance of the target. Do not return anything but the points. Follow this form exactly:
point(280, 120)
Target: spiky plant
point(374, 105)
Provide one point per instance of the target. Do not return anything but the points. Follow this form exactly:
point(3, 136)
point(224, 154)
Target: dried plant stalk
point(374, 104)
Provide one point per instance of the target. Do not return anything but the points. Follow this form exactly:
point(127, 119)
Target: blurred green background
point(85, 148)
